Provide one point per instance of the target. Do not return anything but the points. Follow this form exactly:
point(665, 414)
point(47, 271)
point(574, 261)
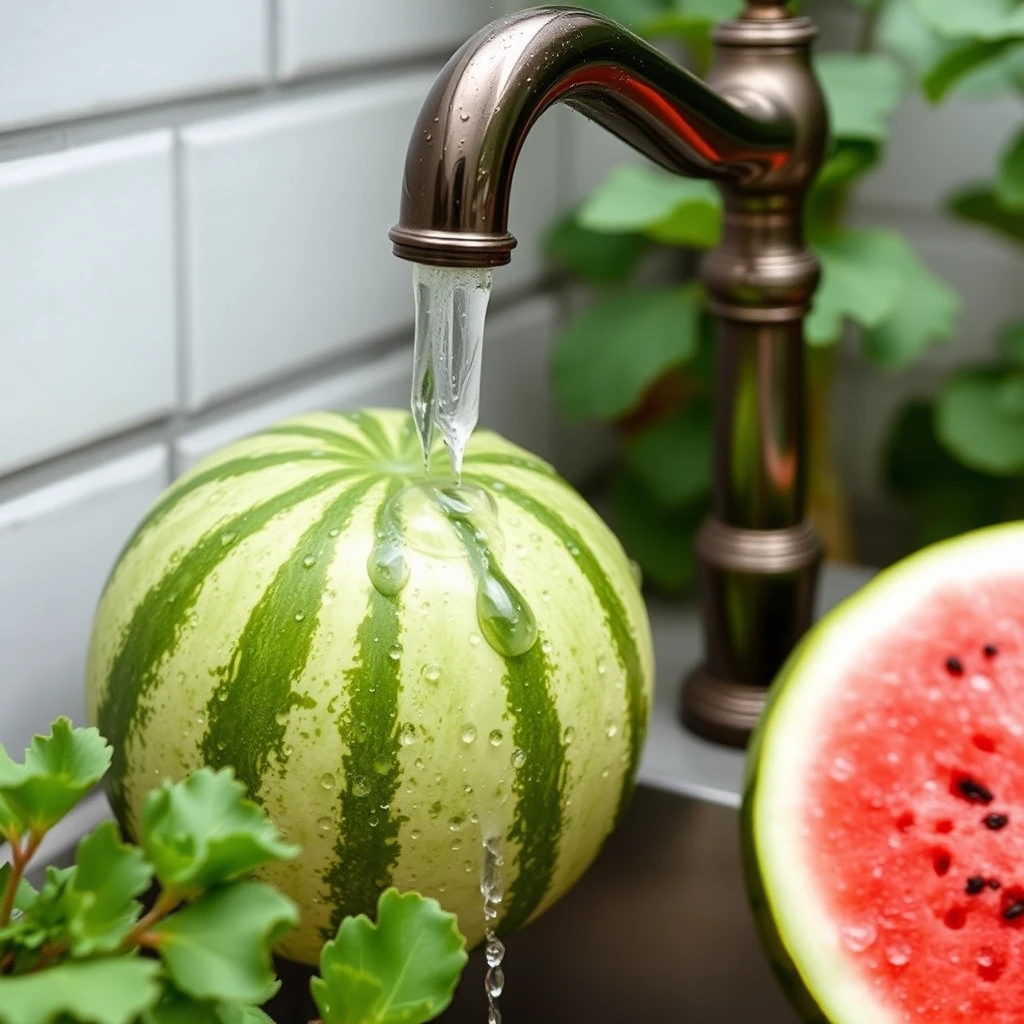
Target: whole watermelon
point(398, 668)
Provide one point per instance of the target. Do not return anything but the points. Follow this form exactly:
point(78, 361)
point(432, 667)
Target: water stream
point(451, 305)
point(493, 892)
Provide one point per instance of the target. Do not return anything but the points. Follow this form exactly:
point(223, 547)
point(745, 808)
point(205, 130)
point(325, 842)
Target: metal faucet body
point(758, 129)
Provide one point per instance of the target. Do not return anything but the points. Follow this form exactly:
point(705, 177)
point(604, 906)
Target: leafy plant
point(83, 949)
point(641, 355)
point(958, 459)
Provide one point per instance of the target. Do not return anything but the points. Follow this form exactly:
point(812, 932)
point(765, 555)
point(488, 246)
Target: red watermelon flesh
point(901, 759)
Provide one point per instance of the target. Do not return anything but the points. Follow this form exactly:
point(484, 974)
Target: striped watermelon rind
point(381, 732)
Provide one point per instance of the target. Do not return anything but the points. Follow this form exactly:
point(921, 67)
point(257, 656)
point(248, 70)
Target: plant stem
point(20, 856)
point(165, 903)
point(869, 27)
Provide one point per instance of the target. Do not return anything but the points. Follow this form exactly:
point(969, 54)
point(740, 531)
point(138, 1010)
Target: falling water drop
point(493, 891)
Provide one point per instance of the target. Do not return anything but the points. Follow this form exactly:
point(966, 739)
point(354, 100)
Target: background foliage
point(640, 354)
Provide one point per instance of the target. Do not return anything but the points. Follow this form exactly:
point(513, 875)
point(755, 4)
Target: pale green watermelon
point(388, 729)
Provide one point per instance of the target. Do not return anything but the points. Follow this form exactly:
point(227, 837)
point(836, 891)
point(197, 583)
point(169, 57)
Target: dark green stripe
point(159, 619)
point(615, 615)
point(177, 493)
point(518, 461)
point(247, 714)
point(409, 440)
point(366, 849)
point(539, 783)
point(342, 442)
point(371, 429)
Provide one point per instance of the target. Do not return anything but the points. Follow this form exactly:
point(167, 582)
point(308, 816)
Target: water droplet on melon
point(841, 769)
point(419, 764)
point(518, 758)
point(546, 646)
point(475, 639)
point(372, 821)
point(288, 750)
point(407, 735)
point(569, 735)
point(333, 531)
point(611, 730)
point(299, 616)
point(360, 787)
point(200, 719)
point(495, 737)
point(468, 732)
point(432, 673)
point(327, 781)
point(898, 955)
point(382, 766)
point(602, 666)
point(859, 937)
point(309, 561)
point(456, 822)
point(387, 567)
point(227, 537)
point(324, 824)
point(456, 845)
point(415, 833)
point(395, 652)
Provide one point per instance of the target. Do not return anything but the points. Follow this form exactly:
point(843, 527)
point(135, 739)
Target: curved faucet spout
point(471, 128)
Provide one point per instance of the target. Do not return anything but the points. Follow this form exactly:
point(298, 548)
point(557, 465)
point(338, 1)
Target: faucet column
point(757, 554)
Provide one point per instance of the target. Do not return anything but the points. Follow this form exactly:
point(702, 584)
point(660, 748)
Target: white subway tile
point(316, 35)
point(87, 317)
point(57, 547)
point(383, 383)
point(288, 210)
point(66, 58)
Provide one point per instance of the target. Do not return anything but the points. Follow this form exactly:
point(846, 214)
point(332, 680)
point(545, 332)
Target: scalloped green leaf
point(863, 271)
point(979, 204)
point(608, 356)
point(58, 771)
point(925, 312)
point(11, 826)
point(673, 457)
point(980, 419)
point(403, 969)
point(960, 61)
point(1011, 342)
point(979, 19)
point(594, 256)
point(666, 207)
point(204, 831)
point(861, 92)
point(219, 947)
point(114, 991)
point(176, 1008)
point(101, 897)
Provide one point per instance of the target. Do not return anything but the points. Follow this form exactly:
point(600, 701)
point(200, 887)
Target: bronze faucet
point(758, 129)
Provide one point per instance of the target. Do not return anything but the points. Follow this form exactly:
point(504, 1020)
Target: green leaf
point(1010, 180)
point(863, 271)
point(960, 61)
point(642, 199)
point(96, 992)
point(861, 91)
point(980, 205)
point(925, 311)
point(101, 896)
point(607, 358)
point(176, 1008)
point(11, 826)
point(673, 457)
point(1011, 342)
point(24, 897)
point(594, 256)
point(59, 770)
point(660, 539)
point(401, 970)
point(826, 206)
point(946, 497)
point(980, 419)
point(220, 946)
point(346, 995)
point(204, 832)
point(979, 19)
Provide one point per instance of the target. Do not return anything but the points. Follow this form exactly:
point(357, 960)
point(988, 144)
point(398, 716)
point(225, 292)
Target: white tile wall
point(315, 35)
point(287, 215)
point(57, 546)
point(64, 58)
point(87, 318)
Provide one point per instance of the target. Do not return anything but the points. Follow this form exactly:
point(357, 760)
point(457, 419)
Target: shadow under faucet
point(758, 128)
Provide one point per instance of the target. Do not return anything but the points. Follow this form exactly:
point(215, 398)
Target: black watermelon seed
point(990, 650)
point(954, 666)
point(996, 821)
point(972, 791)
point(1013, 910)
point(975, 884)
point(994, 883)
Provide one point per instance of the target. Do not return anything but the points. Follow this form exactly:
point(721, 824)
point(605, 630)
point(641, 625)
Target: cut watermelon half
point(883, 817)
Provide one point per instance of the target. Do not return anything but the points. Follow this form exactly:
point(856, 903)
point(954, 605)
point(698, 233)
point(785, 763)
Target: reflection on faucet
point(758, 129)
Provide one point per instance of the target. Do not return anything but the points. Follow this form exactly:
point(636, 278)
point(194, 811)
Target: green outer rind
point(798, 988)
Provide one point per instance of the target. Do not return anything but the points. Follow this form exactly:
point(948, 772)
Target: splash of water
point(493, 891)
